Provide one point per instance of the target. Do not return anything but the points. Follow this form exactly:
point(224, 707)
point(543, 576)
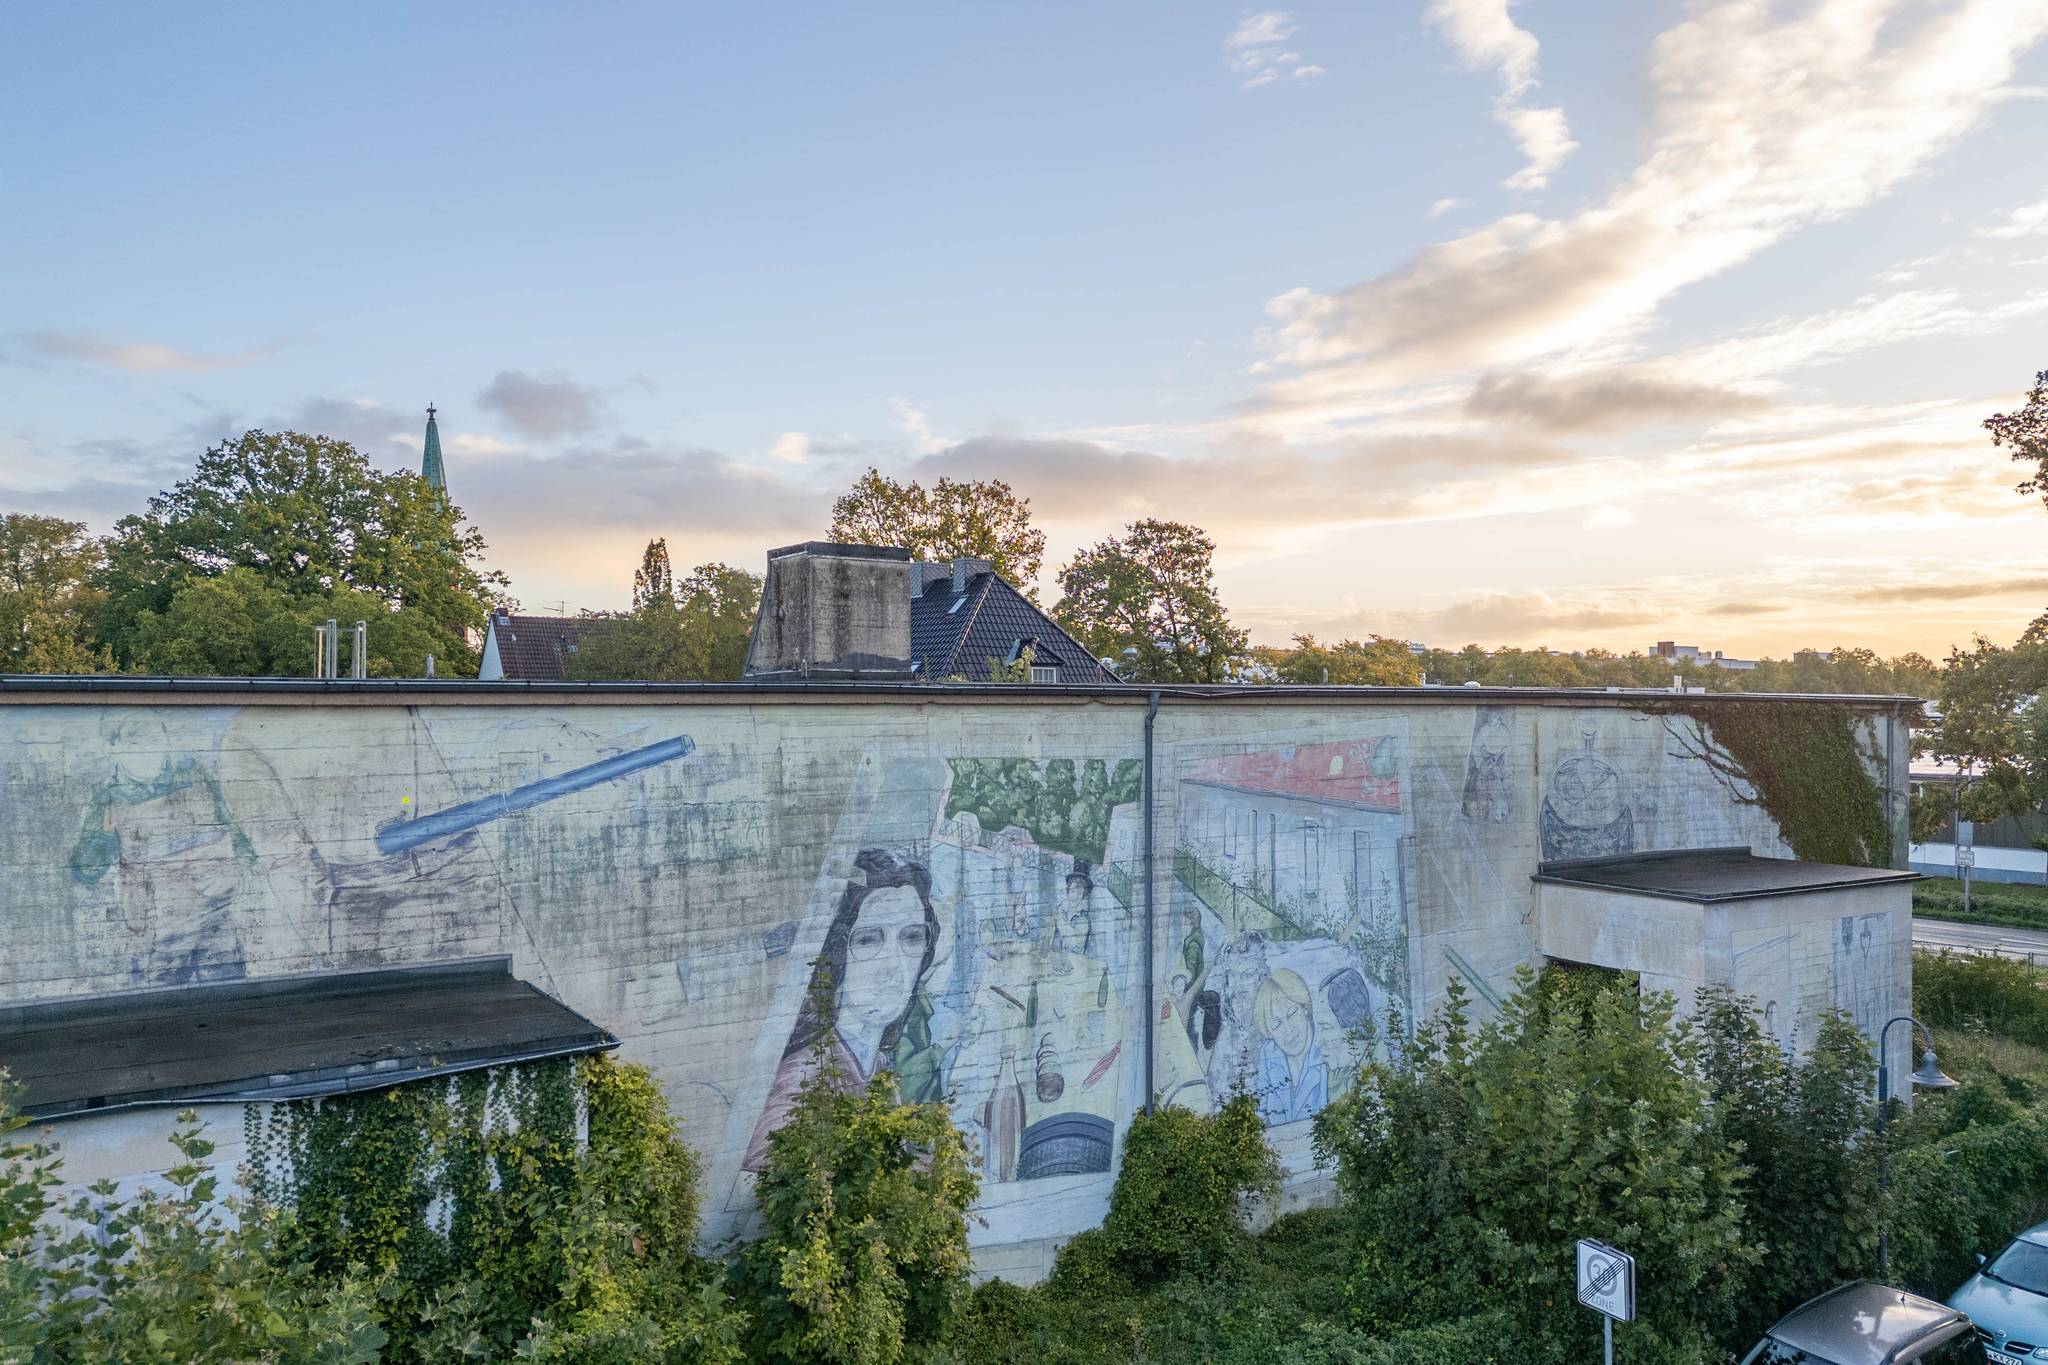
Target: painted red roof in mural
point(1340, 772)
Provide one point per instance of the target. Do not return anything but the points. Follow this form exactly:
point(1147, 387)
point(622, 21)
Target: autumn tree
point(311, 517)
point(2024, 431)
point(1148, 600)
point(47, 602)
point(953, 519)
point(1376, 662)
point(695, 630)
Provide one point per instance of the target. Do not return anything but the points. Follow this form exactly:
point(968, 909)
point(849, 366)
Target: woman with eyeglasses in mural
point(865, 1007)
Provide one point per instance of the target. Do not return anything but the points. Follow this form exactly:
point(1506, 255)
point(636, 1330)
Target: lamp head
point(1930, 1076)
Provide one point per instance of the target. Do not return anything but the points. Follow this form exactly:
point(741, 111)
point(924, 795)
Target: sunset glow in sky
point(1564, 323)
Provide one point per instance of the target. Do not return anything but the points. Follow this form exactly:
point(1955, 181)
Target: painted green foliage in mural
point(1811, 770)
point(1065, 808)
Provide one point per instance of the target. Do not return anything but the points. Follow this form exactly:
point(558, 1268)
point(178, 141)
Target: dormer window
point(1045, 675)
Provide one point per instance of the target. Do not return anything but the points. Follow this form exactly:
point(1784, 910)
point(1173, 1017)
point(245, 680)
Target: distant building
point(1665, 649)
point(964, 614)
point(534, 648)
point(430, 459)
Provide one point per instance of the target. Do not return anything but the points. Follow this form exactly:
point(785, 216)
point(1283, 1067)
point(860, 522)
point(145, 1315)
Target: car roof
point(2037, 1234)
point(1865, 1324)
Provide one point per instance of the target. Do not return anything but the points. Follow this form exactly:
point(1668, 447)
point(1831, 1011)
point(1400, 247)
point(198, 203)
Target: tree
point(693, 631)
point(2025, 430)
point(1992, 728)
point(970, 519)
point(309, 515)
point(1148, 600)
point(47, 603)
point(1381, 663)
point(244, 624)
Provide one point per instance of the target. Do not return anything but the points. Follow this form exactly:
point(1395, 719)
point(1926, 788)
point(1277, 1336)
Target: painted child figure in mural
point(866, 1009)
point(1293, 1080)
point(1073, 930)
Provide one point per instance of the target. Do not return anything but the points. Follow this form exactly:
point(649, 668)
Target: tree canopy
point(309, 516)
point(2023, 432)
point(695, 630)
point(953, 519)
point(1377, 661)
point(47, 605)
point(1148, 600)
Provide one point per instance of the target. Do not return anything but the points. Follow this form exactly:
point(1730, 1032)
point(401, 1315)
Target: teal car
point(2008, 1300)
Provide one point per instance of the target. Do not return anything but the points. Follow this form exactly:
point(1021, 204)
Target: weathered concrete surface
point(968, 865)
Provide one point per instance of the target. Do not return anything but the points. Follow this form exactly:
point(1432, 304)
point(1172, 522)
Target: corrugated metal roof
point(282, 1038)
point(956, 634)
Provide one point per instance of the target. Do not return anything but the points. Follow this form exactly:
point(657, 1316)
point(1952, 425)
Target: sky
point(1564, 323)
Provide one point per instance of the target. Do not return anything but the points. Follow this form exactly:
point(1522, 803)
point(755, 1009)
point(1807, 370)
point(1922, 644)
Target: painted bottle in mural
point(1002, 1118)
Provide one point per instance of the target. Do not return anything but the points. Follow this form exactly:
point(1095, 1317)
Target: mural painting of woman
point(1293, 1080)
point(865, 1008)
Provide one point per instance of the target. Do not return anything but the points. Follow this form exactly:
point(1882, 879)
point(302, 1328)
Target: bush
point(862, 1257)
point(1179, 1201)
point(1980, 994)
point(1468, 1170)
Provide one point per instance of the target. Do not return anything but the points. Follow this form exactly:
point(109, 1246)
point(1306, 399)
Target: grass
point(2011, 905)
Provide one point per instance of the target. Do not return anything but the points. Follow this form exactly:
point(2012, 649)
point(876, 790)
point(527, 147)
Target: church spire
point(430, 460)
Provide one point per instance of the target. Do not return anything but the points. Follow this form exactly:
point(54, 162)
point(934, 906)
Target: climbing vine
point(1808, 765)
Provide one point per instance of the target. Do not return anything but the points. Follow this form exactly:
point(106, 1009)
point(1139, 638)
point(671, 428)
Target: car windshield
point(2023, 1265)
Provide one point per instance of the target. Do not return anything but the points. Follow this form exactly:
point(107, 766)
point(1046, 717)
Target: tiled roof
point(956, 635)
point(538, 648)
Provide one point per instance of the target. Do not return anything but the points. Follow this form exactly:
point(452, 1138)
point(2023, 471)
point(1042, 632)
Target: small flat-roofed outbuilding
point(284, 1038)
point(1800, 939)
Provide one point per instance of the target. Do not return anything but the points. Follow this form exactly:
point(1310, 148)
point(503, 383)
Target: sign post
point(1966, 856)
point(1607, 1285)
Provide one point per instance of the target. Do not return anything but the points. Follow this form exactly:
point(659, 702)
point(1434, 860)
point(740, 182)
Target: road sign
point(1966, 856)
point(1966, 832)
point(1607, 1280)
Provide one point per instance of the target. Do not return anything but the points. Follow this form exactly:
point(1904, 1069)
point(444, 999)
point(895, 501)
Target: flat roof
point(283, 1038)
point(1705, 875)
point(25, 687)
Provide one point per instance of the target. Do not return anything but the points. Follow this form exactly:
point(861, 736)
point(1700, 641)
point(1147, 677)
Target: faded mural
point(953, 894)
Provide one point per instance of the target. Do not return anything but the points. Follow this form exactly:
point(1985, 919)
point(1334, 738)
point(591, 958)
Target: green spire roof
point(430, 462)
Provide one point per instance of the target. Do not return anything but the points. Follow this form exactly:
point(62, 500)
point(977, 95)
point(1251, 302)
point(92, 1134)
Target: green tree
point(311, 516)
point(1377, 662)
point(47, 601)
point(953, 519)
point(862, 1257)
point(1991, 726)
point(693, 631)
point(1472, 1165)
point(242, 623)
point(2025, 431)
point(1148, 600)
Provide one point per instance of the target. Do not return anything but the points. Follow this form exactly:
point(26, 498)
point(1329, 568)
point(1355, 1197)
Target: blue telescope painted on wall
point(397, 836)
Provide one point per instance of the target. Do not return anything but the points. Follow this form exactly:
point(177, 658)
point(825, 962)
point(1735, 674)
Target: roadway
point(1980, 938)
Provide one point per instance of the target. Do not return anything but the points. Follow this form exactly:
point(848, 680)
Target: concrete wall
point(971, 867)
point(1798, 956)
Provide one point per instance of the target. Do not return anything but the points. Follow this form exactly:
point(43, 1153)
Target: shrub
point(1179, 1201)
point(862, 1257)
point(1984, 994)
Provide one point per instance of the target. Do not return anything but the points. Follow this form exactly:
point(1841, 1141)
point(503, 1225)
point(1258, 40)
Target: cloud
point(1955, 590)
point(1759, 126)
point(137, 357)
point(1256, 50)
point(543, 406)
point(1487, 38)
point(791, 447)
point(2028, 220)
point(1605, 400)
point(1609, 515)
point(631, 483)
point(1444, 206)
point(912, 419)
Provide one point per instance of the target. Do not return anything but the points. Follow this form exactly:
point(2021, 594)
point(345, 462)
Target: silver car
point(1869, 1324)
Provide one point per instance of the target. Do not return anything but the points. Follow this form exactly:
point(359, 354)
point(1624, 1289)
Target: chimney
point(964, 569)
point(832, 611)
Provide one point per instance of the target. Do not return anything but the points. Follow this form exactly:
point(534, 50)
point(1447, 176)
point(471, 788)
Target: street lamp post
point(1927, 1077)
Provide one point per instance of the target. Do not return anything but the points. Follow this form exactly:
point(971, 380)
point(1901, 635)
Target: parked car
point(2008, 1300)
point(1869, 1324)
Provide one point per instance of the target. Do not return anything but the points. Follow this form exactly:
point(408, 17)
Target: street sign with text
point(1607, 1280)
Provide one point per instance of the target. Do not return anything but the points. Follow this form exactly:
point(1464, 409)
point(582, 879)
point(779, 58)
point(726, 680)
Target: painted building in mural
point(948, 883)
